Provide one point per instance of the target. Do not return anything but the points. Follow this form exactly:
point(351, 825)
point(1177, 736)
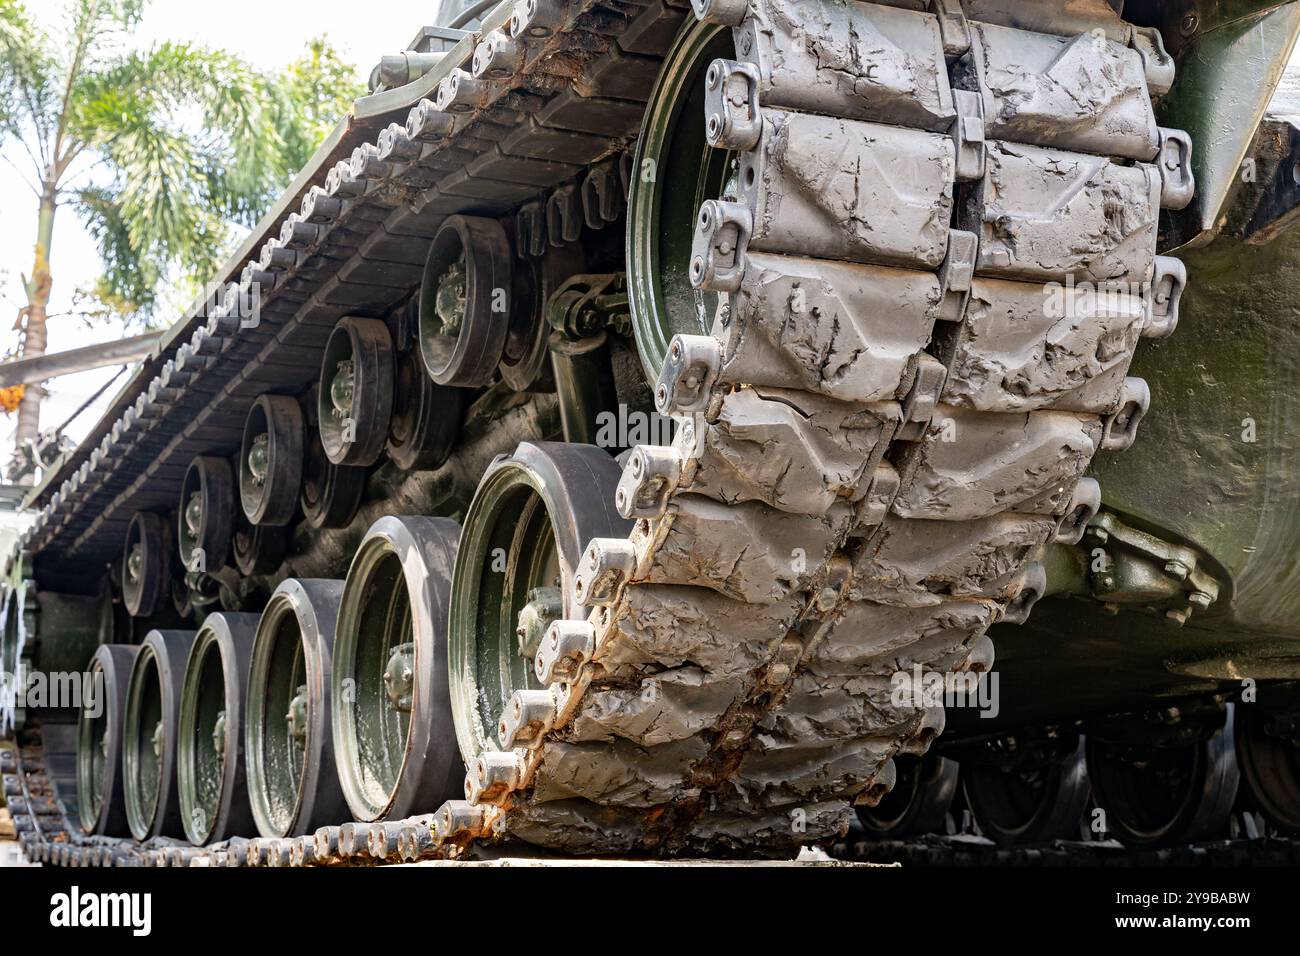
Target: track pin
point(606, 565)
point(529, 715)
point(457, 820)
point(494, 776)
point(566, 647)
point(650, 477)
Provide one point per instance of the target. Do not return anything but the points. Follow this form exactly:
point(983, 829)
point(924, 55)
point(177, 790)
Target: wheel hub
point(399, 678)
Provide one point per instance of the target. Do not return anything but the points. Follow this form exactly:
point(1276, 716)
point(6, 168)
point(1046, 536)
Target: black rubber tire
point(114, 662)
point(919, 801)
point(368, 344)
point(575, 484)
point(1270, 769)
point(331, 494)
point(258, 548)
point(472, 361)
point(141, 594)
point(1022, 807)
point(212, 478)
point(275, 501)
point(205, 820)
point(430, 770)
point(1205, 780)
point(426, 416)
point(305, 610)
point(162, 658)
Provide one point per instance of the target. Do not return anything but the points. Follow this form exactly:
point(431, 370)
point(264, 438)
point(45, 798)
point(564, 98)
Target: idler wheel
point(149, 729)
point(919, 801)
point(293, 785)
point(146, 564)
point(524, 533)
point(426, 416)
point(355, 398)
point(210, 744)
point(1158, 796)
point(205, 514)
point(466, 301)
point(1034, 801)
point(1269, 756)
point(100, 804)
point(270, 461)
point(389, 685)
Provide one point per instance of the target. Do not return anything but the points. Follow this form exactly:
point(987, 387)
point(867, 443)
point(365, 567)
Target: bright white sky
point(268, 33)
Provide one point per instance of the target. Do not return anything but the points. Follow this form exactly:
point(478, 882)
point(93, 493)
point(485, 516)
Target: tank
point(714, 429)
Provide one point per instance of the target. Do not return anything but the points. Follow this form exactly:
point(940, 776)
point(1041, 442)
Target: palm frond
point(186, 142)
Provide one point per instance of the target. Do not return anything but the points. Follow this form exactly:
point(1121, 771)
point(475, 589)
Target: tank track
point(880, 432)
point(974, 851)
point(834, 481)
point(47, 836)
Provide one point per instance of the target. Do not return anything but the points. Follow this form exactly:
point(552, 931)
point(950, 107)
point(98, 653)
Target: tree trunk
point(34, 337)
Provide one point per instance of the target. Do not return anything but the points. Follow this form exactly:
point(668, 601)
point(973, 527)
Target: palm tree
point(162, 152)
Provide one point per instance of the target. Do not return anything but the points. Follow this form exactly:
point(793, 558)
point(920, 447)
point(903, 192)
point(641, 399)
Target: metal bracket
point(729, 13)
point(428, 124)
point(651, 475)
point(528, 717)
point(1177, 184)
point(584, 304)
point(968, 135)
point(1085, 502)
point(690, 369)
point(493, 776)
point(1119, 428)
point(953, 28)
point(722, 234)
point(539, 19)
point(1161, 301)
point(498, 57)
point(731, 105)
point(1138, 569)
point(922, 397)
point(1156, 63)
point(956, 273)
point(566, 647)
point(606, 566)
point(460, 92)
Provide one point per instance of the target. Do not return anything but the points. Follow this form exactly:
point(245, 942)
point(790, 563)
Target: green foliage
point(163, 152)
